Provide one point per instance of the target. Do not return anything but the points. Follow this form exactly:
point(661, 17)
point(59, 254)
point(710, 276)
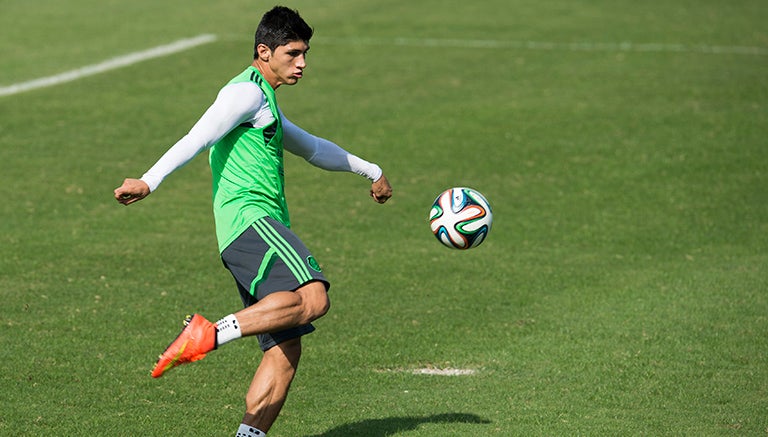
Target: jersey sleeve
point(234, 104)
point(325, 154)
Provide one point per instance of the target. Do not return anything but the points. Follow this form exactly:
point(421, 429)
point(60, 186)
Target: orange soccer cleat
point(196, 339)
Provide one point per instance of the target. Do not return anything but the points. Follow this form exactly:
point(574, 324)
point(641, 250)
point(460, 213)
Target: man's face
point(288, 62)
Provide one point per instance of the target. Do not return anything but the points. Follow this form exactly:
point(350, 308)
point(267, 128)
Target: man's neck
point(266, 73)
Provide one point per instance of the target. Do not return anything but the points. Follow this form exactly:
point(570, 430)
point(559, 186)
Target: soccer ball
point(461, 218)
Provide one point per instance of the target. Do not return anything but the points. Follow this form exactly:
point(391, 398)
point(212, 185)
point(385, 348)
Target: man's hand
point(131, 191)
point(381, 191)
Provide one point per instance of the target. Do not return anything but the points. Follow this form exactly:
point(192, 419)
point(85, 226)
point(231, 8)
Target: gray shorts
point(266, 258)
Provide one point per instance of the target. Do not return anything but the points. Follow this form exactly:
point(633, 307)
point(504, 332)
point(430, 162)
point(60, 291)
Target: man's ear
point(263, 52)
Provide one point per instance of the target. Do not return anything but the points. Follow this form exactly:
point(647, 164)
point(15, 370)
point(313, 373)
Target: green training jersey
point(248, 171)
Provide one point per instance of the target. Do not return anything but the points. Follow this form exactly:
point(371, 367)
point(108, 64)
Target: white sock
point(249, 431)
point(228, 329)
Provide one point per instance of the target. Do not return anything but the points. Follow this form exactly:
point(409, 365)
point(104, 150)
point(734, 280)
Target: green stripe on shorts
point(284, 251)
point(264, 268)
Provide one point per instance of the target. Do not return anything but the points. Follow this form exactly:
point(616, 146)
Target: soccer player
point(281, 285)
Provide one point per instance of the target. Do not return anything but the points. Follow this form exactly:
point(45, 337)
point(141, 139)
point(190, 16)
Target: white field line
point(110, 64)
point(447, 371)
point(539, 45)
point(443, 372)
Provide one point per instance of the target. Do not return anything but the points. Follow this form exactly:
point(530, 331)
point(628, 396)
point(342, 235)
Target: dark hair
point(279, 26)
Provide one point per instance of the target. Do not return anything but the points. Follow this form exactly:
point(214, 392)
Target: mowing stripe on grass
point(110, 64)
point(188, 43)
point(540, 45)
point(535, 45)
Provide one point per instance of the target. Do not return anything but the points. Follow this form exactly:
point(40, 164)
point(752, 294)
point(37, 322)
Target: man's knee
point(315, 300)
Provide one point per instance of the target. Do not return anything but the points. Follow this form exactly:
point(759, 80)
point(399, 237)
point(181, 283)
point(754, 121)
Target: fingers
point(124, 198)
point(131, 191)
point(127, 198)
point(380, 198)
point(381, 191)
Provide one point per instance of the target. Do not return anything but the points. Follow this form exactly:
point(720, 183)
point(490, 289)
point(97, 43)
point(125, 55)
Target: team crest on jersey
point(313, 263)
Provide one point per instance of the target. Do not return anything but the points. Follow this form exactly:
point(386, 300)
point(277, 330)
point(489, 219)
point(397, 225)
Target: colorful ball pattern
point(461, 218)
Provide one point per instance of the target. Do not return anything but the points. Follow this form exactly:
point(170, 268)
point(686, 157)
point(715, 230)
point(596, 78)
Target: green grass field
point(623, 289)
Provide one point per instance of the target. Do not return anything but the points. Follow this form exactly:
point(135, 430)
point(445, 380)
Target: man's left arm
point(329, 156)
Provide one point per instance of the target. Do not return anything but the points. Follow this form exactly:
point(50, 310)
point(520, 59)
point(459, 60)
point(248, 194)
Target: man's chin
point(293, 80)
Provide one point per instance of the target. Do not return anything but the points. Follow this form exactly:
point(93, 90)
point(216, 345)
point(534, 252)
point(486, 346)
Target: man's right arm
point(234, 104)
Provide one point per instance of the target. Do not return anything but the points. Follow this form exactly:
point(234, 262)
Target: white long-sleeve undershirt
point(244, 102)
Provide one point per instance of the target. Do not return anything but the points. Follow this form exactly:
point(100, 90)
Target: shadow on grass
point(393, 425)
